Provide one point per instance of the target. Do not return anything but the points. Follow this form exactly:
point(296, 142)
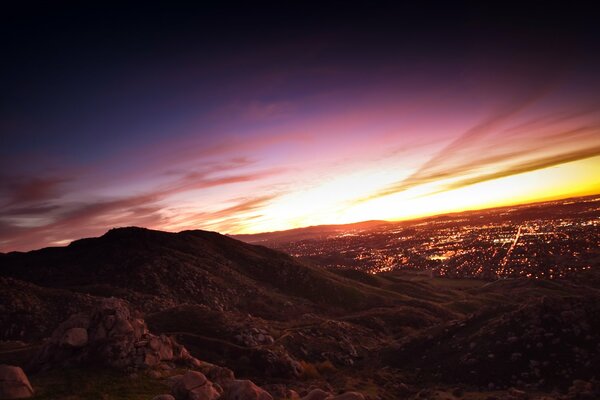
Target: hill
point(155, 270)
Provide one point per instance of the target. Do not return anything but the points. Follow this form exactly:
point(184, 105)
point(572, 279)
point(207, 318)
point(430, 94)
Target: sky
point(271, 117)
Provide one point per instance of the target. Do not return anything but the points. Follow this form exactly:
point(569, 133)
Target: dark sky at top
point(75, 58)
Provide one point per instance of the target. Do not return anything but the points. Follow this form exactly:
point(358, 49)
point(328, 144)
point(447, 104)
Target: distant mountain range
point(310, 232)
point(544, 209)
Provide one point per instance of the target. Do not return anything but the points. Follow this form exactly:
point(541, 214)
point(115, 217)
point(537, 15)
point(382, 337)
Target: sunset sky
point(245, 120)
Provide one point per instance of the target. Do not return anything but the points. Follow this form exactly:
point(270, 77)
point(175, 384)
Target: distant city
point(547, 240)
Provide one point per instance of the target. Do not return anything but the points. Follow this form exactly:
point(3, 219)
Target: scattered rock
point(347, 396)
point(518, 394)
point(163, 397)
point(215, 373)
point(244, 390)
point(75, 337)
point(317, 394)
point(441, 395)
point(193, 385)
point(14, 383)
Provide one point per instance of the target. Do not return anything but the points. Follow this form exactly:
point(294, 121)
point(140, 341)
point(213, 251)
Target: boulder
point(75, 337)
point(215, 373)
point(293, 395)
point(193, 385)
point(238, 389)
point(317, 394)
point(518, 394)
point(347, 396)
point(192, 379)
point(442, 395)
point(14, 383)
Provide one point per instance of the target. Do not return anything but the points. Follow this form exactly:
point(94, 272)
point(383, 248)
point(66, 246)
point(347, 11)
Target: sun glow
point(335, 201)
point(569, 179)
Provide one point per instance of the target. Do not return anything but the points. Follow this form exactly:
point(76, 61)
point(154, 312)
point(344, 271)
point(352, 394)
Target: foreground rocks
point(194, 385)
point(14, 383)
point(114, 336)
point(111, 335)
point(244, 390)
point(319, 394)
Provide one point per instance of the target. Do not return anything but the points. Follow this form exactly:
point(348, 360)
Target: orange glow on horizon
point(328, 203)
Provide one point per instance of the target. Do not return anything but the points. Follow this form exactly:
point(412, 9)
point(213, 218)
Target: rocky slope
point(162, 304)
point(544, 344)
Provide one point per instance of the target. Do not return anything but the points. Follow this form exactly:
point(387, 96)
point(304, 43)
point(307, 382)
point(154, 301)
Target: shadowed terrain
point(282, 323)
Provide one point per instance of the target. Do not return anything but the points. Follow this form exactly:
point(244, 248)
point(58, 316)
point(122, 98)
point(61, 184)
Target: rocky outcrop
point(111, 335)
point(14, 383)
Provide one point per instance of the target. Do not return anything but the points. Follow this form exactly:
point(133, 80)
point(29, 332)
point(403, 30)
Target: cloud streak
point(20, 190)
point(490, 151)
point(74, 219)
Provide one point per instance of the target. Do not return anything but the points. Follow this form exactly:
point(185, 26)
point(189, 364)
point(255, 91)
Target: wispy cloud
point(20, 190)
point(231, 218)
point(503, 145)
point(71, 220)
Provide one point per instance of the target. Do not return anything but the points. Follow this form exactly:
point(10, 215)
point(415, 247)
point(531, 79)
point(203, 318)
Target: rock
point(205, 392)
point(278, 391)
point(220, 375)
point(163, 397)
point(277, 363)
point(14, 383)
point(172, 380)
point(154, 374)
point(192, 379)
point(317, 394)
point(75, 337)
point(347, 396)
point(518, 394)
point(583, 390)
point(121, 327)
point(112, 336)
point(238, 389)
point(441, 395)
point(193, 385)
